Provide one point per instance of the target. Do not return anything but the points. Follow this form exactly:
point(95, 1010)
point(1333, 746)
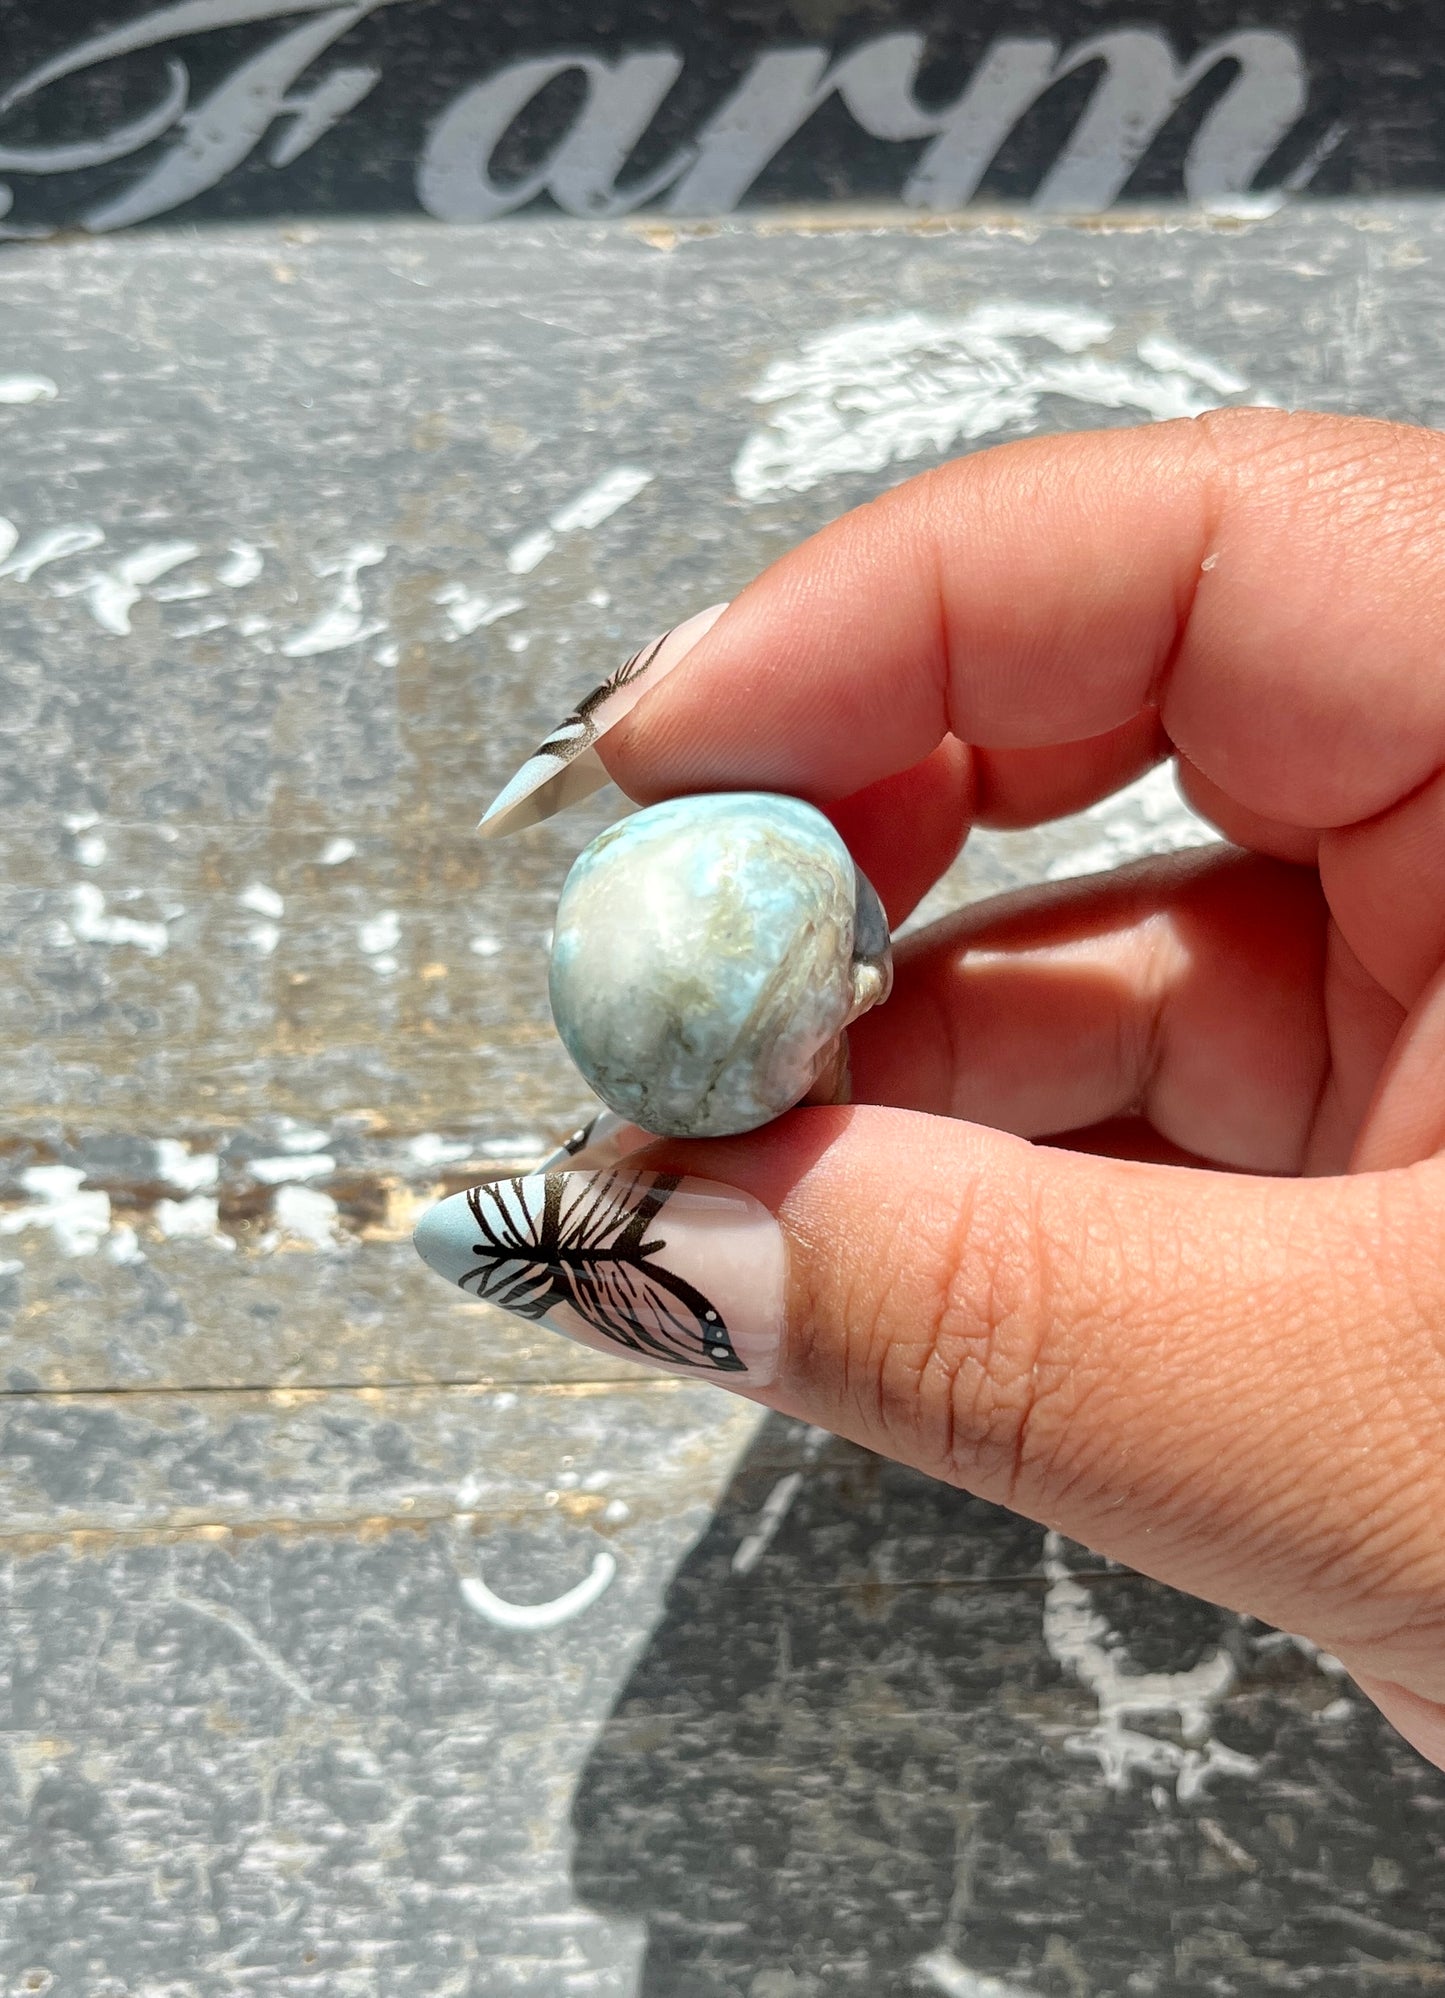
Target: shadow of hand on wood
point(872, 1749)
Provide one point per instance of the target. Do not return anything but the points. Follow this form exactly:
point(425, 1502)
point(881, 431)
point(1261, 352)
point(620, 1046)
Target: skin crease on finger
point(1231, 1379)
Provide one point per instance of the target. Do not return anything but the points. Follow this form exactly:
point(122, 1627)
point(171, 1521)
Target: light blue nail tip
point(444, 1236)
point(532, 775)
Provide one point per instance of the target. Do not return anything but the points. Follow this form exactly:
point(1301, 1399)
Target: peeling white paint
point(1324, 1661)
point(1163, 355)
point(335, 851)
point(276, 1171)
point(945, 1973)
point(485, 946)
point(307, 1215)
point(27, 388)
point(79, 1221)
point(265, 901)
point(263, 938)
point(9, 535)
point(91, 849)
point(187, 1170)
point(91, 924)
point(540, 1616)
point(874, 392)
point(470, 610)
point(345, 622)
point(1080, 1639)
point(590, 507)
point(300, 1137)
point(381, 932)
point(111, 594)
point(776, 1507)
point(122, 1245)
point(186, 591)
point(524, 555)
point(192, 1219)
point(600, 500)
point(55, 545)
point(431, 1149)
point(243, 564)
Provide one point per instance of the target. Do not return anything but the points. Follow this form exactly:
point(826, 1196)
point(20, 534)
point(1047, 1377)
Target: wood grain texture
point(827, 1728)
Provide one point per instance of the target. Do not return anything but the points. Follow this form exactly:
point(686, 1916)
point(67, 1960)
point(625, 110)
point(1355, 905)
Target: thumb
point(1230, 1383)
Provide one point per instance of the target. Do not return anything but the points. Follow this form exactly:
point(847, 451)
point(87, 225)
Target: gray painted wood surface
point(823, 1728)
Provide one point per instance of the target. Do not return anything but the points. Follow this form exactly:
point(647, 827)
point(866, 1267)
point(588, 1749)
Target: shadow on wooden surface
point(887, 1739)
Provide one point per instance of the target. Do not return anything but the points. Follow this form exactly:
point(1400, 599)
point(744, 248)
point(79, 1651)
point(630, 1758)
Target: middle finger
point(1189, 990)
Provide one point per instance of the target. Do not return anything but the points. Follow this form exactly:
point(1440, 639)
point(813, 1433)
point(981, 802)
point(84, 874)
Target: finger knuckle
point(1362, 470)
point(988, 1382)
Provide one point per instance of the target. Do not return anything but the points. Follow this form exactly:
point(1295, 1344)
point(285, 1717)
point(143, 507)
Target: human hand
point(1204, 1331)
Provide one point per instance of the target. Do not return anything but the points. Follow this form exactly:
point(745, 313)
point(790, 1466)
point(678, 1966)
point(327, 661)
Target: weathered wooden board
point(814, 1726)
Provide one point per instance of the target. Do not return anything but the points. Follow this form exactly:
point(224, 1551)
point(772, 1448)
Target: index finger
point(1271, 582)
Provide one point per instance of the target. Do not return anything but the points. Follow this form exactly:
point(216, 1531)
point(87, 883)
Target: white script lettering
point(216, 134)
point(1137, 84)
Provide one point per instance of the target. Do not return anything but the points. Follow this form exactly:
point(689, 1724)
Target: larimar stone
point(707, 955)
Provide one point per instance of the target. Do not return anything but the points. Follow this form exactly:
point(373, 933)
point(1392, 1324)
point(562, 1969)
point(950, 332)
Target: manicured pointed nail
point(566, 767)
point(679, 1272)
point(601, 1141)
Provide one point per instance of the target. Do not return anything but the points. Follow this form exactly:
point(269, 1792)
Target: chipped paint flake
point(561, 1609)
point(79, 1221)
point(91, 924)
point(27, 388)
point(345, 622)
point(243, 564)
point(56, 545)
point(524, 555)
point(185, 1169)
point(600, 500)
point(1167, 358)
point(265, 901)
point(470, 610)
point(942, 1969)
point(776, 1507)
point(112, 594)
point(195, 1219)
point(380, 933)
point(590, 507)
point(306, 1214)
point(276, 1171)
point(431, 1149)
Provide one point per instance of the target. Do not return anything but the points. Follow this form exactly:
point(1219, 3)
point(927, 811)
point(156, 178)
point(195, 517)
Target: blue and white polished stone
point(707, 955)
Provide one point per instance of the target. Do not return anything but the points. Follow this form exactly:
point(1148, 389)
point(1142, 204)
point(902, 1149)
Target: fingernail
point(601, 1141)
point(681, 1273)
point(566, 767)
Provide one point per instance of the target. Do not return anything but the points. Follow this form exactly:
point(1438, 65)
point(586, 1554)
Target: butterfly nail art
point(584, 1246)
point(671, 1270)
